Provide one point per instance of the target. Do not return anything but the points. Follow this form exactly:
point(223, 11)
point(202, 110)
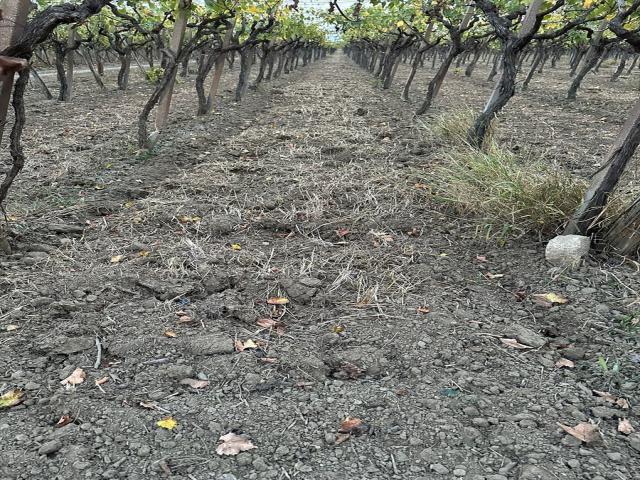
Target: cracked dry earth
point(307, 190)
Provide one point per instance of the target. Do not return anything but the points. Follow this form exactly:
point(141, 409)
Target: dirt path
point(312, 191)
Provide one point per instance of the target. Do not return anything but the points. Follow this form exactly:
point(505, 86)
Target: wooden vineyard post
point(219, 67)
point(71, 53)
point(177, 38)
point(14, 17)
point(604, 181)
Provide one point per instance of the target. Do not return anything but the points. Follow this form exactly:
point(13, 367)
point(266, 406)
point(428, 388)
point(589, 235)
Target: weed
point(154, 75)
point(453, 126)
point(506, 196)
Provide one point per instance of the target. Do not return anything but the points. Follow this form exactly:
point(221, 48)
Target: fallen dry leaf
point(168, 423)
point(624, 426)
point(11, 398)
point(102, 381)
point(513, 343)
point(236, 246)
point(423, 309)
point(194, 383)
point(549, 299)
point(565, 362)
point(117, 258)
point(233, 444)
point(481, 258)
point(342, 232)
point(267, 322)
point(76, 377)
point(585, 432)
point(609, 397)
point(351, 425)
point(64, 420)
point(278, 301)
point(12, 328)
point(185, 319)
point(491, 276)
point(170, 333)
point(342, 437)
point(246, 345)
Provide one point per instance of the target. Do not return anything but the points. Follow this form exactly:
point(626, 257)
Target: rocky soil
point(146, 270)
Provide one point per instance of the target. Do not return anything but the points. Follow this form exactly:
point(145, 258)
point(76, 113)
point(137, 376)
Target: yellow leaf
point(99, 187)
point(170, 334)
point(144, 253)
point(11, 398)
point(250, 344)
point(555, 298)
point(168, 423)
point(11, 328)
point(235, 246)
point(117, 258)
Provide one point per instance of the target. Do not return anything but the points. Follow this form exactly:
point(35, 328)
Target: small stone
point(439, 468)
point(526, 336)
point(259, 464)
point(244, 459)
point(534, 472)
point(615, 456)
point(209, 345)
point(31, 386)
point(634, 442)
point(573, 463)
point(471, 411)
point(480, 422)
point(567, 250)
point(574, 353)
point(144, 451)
point(605, 412)
point(49, 447)
point(459, 472)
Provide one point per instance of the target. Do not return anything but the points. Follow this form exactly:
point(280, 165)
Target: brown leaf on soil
point(185, 319)
point(565, 362)
point(148, 405)
point(423, 309)
point(117, 258)
point(513, 343)
point(233, 444)
point(64, 420)
point(266, 322)
point(170, 333)
point(342, 232)
point(585, 432)
point(609, 397)
point(352, 426)
point(76, 377)
point(624, 426)
point(194, 383)
point(102, 381)
point(342, 437)
point(352, 371)
point(11, 398)
point(481, 258)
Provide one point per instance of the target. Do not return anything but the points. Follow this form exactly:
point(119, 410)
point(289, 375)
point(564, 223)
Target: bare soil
point(309, 189)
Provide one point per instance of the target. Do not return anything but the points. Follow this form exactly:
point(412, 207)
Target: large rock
point(567, 250)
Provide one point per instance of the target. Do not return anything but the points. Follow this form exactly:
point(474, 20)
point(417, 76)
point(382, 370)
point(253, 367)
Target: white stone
point(567, 250)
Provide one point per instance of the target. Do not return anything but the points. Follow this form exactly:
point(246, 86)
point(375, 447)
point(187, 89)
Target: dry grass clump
point(507, 196)
point(452, 127)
